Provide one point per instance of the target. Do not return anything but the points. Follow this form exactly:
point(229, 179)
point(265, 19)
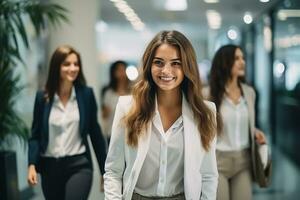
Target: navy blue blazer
point(88, 124)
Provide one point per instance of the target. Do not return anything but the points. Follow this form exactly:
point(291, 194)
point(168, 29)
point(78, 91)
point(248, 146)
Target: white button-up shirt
point(235, 135)
point(64, 136)
point(162, 171)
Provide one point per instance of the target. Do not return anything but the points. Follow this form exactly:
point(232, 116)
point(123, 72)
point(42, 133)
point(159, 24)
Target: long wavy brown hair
point(144, 90)
point(53, 80)
point(220, 74)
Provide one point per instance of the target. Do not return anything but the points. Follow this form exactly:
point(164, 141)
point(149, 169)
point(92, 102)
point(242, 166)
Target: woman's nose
point(167, 67)
point(73, 66)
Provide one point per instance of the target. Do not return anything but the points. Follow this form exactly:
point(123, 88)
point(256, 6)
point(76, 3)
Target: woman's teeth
point(166, 78)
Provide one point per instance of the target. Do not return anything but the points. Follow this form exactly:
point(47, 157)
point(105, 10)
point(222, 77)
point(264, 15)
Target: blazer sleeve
point(36, 128)
point(115, 162)
point(209, 170)
point(95, 132)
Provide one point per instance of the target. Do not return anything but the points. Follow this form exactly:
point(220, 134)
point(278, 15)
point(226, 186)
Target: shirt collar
point(157, 120)
point(72, 97)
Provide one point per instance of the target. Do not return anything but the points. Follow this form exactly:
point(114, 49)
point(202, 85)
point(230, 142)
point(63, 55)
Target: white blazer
point(123, 163)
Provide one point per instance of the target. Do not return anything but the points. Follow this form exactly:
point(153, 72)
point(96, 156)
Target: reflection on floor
point(285, 182)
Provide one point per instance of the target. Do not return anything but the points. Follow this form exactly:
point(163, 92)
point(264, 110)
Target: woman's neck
point(169, 99)
point(232, 84)
point(233, 91)
point(65, 89)
point(122, 87)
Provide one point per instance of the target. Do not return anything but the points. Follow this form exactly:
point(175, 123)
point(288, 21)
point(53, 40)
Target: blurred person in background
point(163, 136)
point(235, 102)
point(118, 85)
point(65, 113)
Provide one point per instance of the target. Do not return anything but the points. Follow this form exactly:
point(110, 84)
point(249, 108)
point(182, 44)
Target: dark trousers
point(67, 178)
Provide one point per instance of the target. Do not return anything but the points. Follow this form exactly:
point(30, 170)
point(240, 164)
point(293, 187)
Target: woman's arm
point(34, 140)
point(115, 162)
point(209, 174)
point(209, 169)
point(33, 143)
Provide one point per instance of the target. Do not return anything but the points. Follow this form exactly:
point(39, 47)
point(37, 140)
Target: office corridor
point(285, 182)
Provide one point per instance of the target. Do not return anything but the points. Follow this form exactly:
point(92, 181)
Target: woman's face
point(166, 69)
point(120, 72)
point(69, 69)
point(238, 68)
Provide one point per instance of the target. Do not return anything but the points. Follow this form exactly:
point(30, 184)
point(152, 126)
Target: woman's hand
point(260, 136)
point(32, 175)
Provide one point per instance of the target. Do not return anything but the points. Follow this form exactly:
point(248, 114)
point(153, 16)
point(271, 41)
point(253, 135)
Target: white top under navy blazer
point(64, 137)
point(123, 164)
point(88, 124)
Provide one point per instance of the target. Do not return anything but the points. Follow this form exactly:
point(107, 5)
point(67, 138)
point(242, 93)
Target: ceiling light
point(211, 1)
point(176, 5)
point(214, 19)
point(132, 72)
point(248, 18)
point(232, 34)
point(278, 69)
point(130, 14)
point(285, 13)
point(264, 1)
point(101, 26)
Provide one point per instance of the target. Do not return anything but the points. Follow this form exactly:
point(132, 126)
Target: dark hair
point(144, 90)
point(220, 74)
point(53, 80)
point(113, 81)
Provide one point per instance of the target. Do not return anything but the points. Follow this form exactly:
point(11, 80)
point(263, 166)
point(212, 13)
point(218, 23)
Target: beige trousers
point(235, 178)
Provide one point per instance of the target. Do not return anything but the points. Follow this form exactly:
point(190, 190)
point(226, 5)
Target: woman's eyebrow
point(174, 59)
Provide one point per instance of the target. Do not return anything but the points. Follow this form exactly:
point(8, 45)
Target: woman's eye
point(158, 63)
point(66, 63)
point(69, 64)
point(176, 64)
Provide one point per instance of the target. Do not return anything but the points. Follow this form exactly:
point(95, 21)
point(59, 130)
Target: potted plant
point(12, 27)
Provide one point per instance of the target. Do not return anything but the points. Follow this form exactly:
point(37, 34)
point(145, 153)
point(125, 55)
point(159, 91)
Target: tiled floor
point(285, 182)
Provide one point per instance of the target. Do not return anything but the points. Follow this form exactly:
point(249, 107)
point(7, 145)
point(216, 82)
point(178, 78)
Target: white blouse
point(162, 171)
point(64, 136)
point(235, 135)
point(110, 100)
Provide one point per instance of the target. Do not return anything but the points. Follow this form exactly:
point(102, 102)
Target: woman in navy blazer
point(65, 113)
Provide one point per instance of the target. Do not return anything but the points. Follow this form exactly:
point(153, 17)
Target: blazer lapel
point(80, 102)
point(250, 106)
point(45, 122)
point(142, 149)
point(192, 153)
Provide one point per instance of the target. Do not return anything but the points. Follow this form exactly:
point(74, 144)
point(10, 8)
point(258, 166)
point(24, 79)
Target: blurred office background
point(106, 30)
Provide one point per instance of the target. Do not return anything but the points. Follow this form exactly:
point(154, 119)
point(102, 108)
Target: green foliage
point(11, 26)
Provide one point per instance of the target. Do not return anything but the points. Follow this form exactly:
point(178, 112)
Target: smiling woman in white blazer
point(164, 135)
